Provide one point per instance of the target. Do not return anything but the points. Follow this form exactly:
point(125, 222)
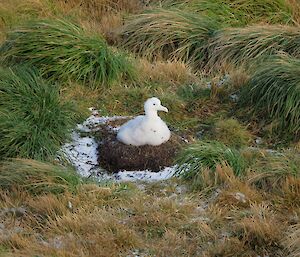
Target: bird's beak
point(162, 108)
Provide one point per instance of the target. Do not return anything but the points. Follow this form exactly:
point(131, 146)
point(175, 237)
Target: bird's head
point(153, 105)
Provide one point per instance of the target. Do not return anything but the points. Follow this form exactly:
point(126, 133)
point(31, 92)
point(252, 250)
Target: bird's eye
point(154, 104)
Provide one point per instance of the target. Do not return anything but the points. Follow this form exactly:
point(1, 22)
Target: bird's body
point(148, 129)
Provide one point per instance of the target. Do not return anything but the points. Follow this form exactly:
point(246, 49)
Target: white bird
point(148, 129)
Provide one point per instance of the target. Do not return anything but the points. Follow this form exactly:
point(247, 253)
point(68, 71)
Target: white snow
point(147, 175)
point(82, 154)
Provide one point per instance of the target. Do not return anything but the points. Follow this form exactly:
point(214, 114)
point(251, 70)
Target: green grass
point(34, 122)
point(243, 12)
point(63, 50)
point(206, 155)
point(170, 33)
point(254, 43)
point(37, 177)
point(273, 93)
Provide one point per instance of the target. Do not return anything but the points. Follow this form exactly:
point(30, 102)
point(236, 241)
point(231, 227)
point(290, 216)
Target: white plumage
point(148, 129)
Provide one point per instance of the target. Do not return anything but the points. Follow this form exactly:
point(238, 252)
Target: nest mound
point(115, 156)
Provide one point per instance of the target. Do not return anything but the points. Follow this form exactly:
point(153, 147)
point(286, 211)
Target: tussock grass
point(37, 177)
point(252, 43)
point(34, 122)
point(229, 247)
point(62, 50)
point(203, 157)
point(273, 92)
point(171, 34)
point(112, 237)
point(242, 12)
point(109, 220)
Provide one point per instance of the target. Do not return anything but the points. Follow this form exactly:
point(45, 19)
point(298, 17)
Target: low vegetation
point(253, 44)
point(273, 93)
point(239, 13)
point(170, 34)
point(199, 160)
point(34, 122)
point(37, 177)
point(231, 133)
point(272, 171)
point(62, 50)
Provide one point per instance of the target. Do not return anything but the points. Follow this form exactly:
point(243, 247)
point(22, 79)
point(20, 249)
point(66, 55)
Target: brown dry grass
point(258, 228)
point(295, 7)
point(160, 220)
point(102, 221)
point(292, 240)
point(14, 12)
point(95, 9)
point(173, 73)
point(237, 193)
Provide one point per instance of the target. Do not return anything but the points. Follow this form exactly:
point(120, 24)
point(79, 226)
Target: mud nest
point(115, 156)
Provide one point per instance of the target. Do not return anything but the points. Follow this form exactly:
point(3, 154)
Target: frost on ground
point(82, 153)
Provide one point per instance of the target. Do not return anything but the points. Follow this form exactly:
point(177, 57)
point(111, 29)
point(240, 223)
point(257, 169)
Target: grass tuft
point(243, 12)
point(171, 34)
point(274, 92)
point(62, 50)
point(34, 122)
point(37, 177)
point(252, 43)
point(203, 157)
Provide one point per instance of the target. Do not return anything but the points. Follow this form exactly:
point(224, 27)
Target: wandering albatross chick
point(148, 129)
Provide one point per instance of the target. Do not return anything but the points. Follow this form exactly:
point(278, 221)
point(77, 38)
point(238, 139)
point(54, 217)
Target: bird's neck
point(150, 114)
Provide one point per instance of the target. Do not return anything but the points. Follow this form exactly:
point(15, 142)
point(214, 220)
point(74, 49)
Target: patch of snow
point(136, 253)
point(92, 123)
point(82, 153)
point(258, 141)
point(234, 97)
point(222, 81)
point(147, 175)
point(240, 197)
